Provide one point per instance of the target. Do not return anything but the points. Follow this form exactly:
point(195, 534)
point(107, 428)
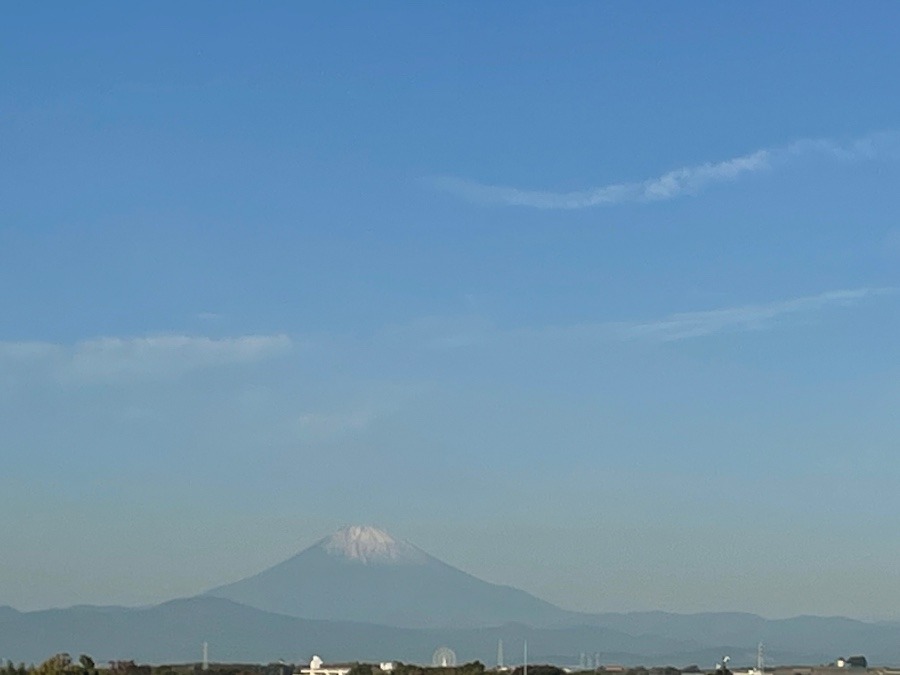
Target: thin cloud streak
point(687, 180)
point(441, 336)
point(667, 186)
point(150, 357)
point(687, 325)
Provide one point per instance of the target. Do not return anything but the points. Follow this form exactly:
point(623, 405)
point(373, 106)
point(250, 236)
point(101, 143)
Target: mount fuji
point(362, 595)
point(362, 573)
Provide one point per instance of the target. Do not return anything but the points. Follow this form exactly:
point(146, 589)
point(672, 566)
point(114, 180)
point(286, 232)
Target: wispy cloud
point(441, 336)
point(743, 318)
point(162, 356)
point(687, 180)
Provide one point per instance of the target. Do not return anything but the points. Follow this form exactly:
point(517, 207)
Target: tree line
point(64, 664)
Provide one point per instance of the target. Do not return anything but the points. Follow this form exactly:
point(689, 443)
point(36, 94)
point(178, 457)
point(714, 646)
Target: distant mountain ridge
point(364, 595)
point(173, 632)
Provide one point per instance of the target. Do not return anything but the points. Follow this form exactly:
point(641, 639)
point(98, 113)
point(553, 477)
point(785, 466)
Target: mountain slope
point(174, 631)
point(364, 574)
point(361, 576)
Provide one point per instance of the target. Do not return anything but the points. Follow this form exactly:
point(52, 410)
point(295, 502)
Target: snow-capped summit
point(367, 544)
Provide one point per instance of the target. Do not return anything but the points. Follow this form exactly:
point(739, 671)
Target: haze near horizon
point(596, 301)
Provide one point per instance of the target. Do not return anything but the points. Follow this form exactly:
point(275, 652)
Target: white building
point(317, 667)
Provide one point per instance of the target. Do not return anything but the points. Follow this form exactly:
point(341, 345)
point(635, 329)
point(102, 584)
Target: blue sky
point(598, 300)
